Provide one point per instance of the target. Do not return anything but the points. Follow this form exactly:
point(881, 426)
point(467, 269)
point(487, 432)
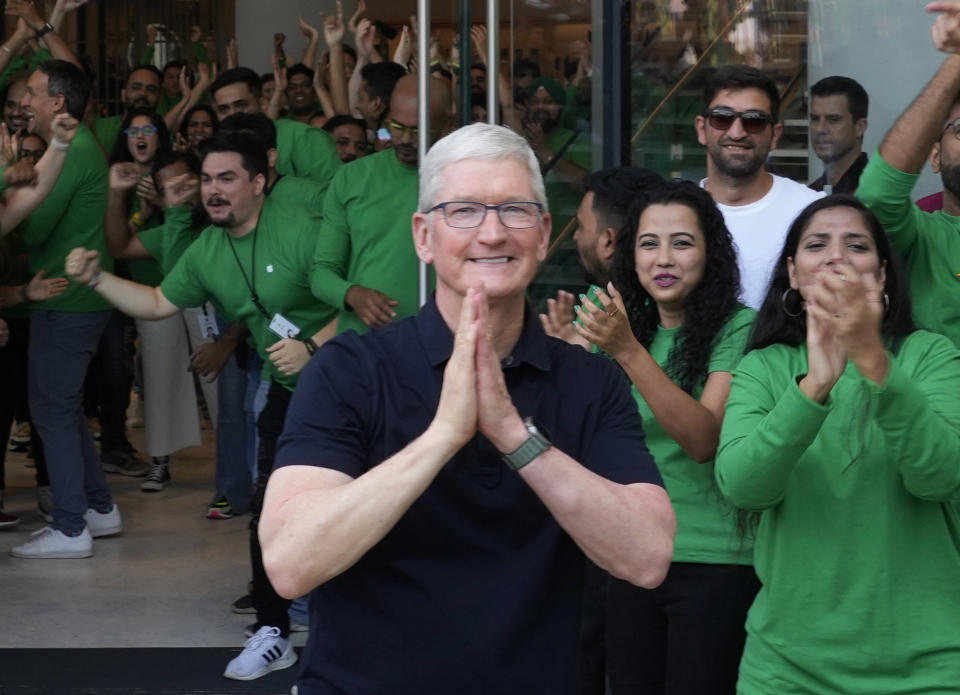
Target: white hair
point(476, 141)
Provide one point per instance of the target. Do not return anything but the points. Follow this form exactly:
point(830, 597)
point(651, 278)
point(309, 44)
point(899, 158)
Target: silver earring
point(783, 302)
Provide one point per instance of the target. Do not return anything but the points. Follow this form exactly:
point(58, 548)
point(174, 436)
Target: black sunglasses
point(753, 121)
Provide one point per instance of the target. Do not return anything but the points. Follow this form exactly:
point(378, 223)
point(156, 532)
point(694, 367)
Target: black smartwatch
point(45, 29)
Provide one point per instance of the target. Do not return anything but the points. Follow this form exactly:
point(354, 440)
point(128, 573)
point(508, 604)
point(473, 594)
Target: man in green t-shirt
point(253, 264)
point(928, 242)
point(64, 331)
point(365, 262)
point(142, 89)
point(301, 150)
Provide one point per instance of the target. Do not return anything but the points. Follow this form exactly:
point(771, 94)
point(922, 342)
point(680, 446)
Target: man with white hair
point(440, 479)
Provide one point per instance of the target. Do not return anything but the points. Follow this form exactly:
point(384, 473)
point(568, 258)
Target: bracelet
point(96, 279)
point(136, 219)
point(6, 48)
point(311, 346)
point(59, 145)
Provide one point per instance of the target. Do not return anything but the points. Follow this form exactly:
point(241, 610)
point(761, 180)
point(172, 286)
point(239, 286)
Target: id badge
point(283, 327)
point(208, 326)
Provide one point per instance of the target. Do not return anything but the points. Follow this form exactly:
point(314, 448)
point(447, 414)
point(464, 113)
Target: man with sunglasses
point(928, 242)
point(365, 262)
point(441, 534)
point(739, 127)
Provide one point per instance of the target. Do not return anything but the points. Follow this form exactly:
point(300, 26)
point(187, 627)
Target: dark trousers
point(107, 387)
point(271, 608)
point(683, 638)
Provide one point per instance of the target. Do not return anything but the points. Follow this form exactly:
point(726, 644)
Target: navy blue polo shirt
point(477, 588)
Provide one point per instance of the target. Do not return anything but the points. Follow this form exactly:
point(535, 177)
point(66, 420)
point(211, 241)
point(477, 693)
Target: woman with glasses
point(675, 326)
point(134, 205)
point(843, 435)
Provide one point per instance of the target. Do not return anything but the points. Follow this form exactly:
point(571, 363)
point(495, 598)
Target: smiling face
point(300, 96)
point(501, 259)
point(670, 255)
point(143, 147)
point(32, 148)
point(543, 110)
point(735, 152)
point(229, 194)
point(39, 106)
point(199, 127)
point(13, 114)
point(834, 235)
point(588, 240)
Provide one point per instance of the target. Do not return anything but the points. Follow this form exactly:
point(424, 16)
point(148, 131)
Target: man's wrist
point(511, 435)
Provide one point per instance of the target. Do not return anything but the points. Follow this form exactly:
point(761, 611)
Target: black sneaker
point(124, 463)
point(158, 475)
point(244, 604)
point(220, 509)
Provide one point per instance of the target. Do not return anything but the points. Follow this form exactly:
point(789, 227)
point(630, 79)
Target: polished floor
point(167, 581)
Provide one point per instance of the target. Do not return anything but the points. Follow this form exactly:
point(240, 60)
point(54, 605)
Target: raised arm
point(313, 42)
point(119, 233)
point(333, 31)
point(27, 13)
point(26, 199)
point(133, 299)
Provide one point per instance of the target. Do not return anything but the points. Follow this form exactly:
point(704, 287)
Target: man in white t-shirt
point(739, 128)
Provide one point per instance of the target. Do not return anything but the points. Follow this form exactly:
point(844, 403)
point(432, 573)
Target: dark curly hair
point(711, 303)
point(773, 325)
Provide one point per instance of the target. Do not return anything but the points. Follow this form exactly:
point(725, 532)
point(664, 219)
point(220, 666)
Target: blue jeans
point(255, 400)
point(61, 347)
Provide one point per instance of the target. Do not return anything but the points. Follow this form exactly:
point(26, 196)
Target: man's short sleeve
point(183, 285)
point(326, 423)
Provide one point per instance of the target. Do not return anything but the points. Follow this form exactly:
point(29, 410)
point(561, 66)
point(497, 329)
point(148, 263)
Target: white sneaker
point(266, 651)
point(108, 524)
point(49, 543)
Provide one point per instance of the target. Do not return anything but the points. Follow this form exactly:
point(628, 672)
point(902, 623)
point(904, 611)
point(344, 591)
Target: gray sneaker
point(124, 463)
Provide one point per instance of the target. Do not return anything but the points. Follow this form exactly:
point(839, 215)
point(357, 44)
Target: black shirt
point(849, 181)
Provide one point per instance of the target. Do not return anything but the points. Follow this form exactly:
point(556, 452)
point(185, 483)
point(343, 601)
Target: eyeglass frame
point(767, 118)
point(487, 208)
point(955, 125)
point(136, 130)
point(411, 130)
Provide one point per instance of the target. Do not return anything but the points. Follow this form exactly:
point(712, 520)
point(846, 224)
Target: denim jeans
point(61, 347)
point(233, 478)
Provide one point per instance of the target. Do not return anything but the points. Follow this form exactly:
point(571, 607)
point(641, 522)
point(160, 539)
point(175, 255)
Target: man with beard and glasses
point(608, 194)
point(143, 89)
point(253, 264)
point(739, 127)
point(838, 120)
point(365, 263)
point(928, 242)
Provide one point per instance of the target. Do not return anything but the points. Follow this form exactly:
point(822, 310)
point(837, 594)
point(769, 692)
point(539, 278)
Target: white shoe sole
point(62, 555)
point(107, 531)
point(276, 665)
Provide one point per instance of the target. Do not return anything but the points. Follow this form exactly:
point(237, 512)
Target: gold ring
point(613, 312)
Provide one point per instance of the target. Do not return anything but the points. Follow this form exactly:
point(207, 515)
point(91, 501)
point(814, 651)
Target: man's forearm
point(340, 520)
point(133, 299)
point(908, 143)
point(627, 530)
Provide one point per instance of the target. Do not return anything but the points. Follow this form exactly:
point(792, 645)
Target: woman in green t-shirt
point(676, 270)
point(843, 433)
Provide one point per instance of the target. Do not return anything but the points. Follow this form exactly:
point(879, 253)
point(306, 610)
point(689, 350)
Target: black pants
point(13, 396)
point(271, 608)
point(109, 378)
point(683, 638)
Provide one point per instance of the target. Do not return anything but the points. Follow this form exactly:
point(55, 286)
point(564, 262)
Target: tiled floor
point(167, 581)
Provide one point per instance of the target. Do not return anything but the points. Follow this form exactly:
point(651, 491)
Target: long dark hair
point(710, 304)
point(773, 324)
point(121, 151)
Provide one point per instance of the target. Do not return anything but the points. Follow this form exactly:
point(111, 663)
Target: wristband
point(6, 48)
point(45, 29)
point(311, 346)
point(136, 219)
point(59, 145)
point(96, 279)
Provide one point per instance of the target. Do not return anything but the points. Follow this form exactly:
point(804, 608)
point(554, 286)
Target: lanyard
point(253, 270)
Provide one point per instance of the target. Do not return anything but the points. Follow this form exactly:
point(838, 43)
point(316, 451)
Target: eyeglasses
point(953, 125)
point(753, 121)
point(401, 129)
point(463, 214)
point(135, 130)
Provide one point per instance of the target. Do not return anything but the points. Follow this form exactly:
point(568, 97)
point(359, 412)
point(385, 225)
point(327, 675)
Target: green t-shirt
point(858, 544)
point(297, 191)
point(564, 196)
point(366, 236)
point(706, 523)
point(107, 130)
point(282, 247)
point(145, 271)
point(168, 241)
point(71, 216)
point(309, 153)
point(928, 242)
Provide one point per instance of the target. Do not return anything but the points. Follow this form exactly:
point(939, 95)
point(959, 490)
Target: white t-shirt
point(759, 229)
